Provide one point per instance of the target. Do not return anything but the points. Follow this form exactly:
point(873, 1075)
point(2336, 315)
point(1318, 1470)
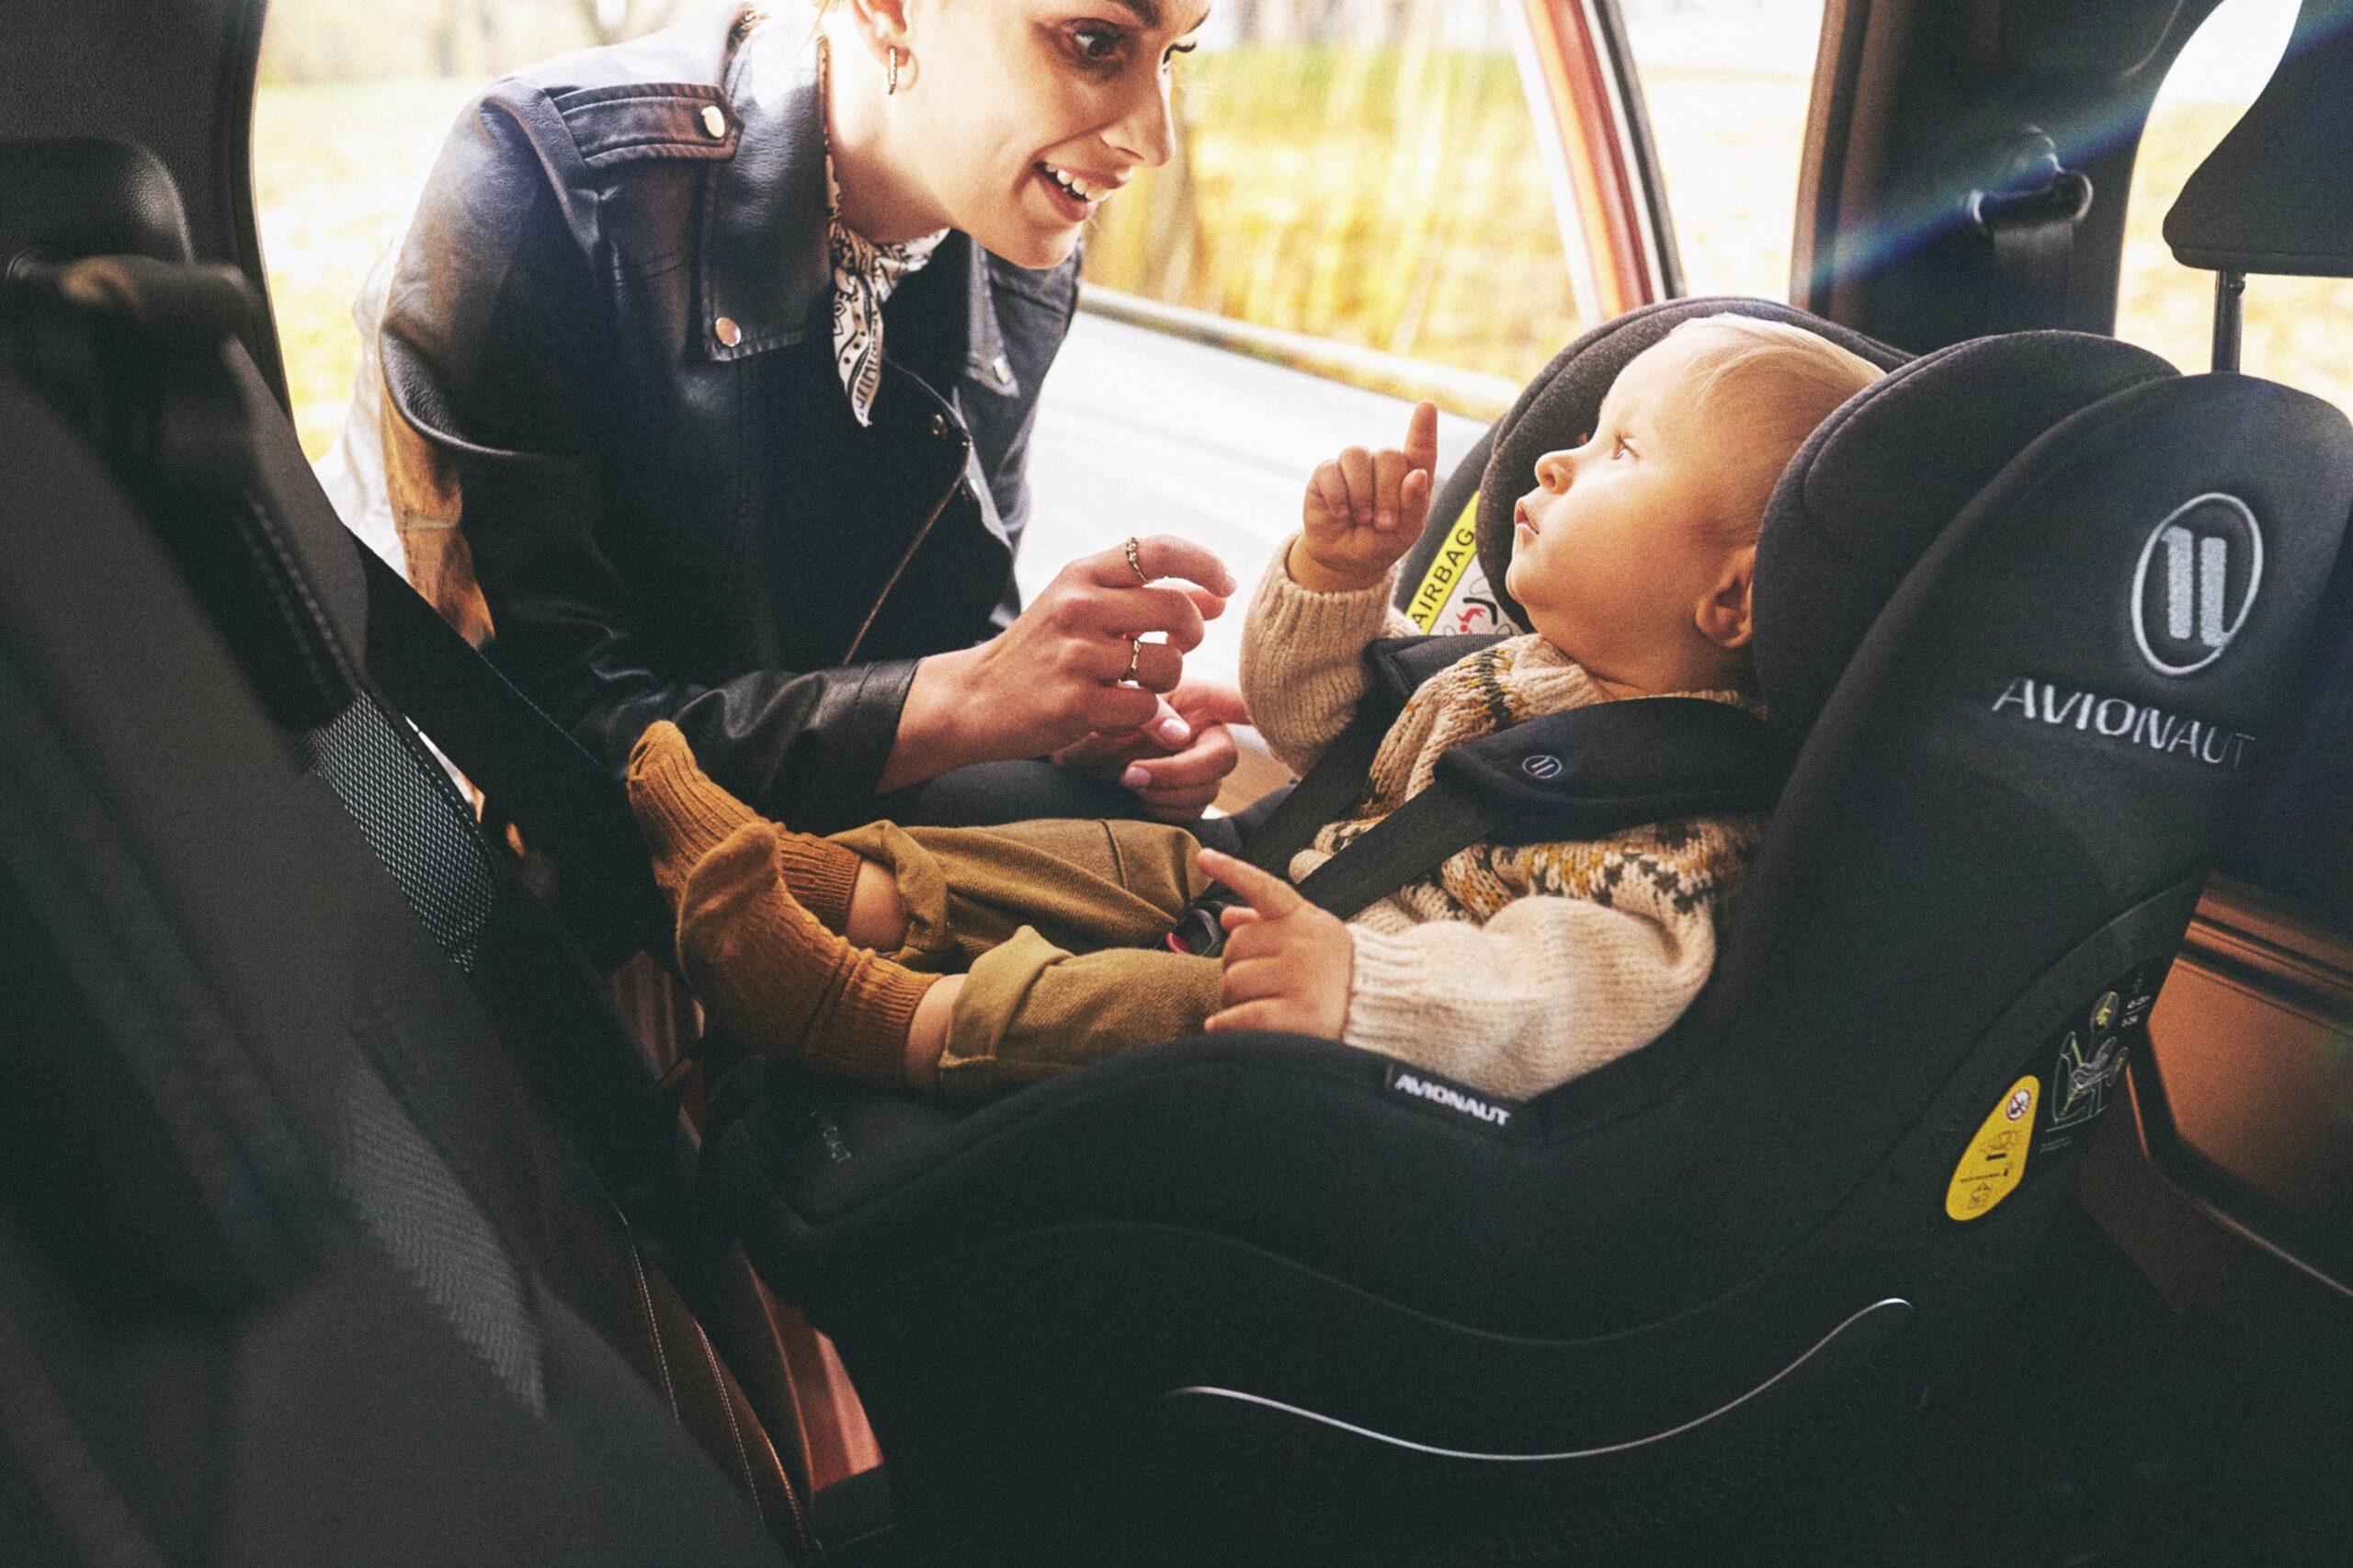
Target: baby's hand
point(1288, 964)
point(1365, 509)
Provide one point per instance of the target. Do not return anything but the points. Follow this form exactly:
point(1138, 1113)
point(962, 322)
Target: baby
point(977, 960)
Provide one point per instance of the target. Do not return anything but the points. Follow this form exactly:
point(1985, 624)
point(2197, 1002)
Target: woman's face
point(1031, 112)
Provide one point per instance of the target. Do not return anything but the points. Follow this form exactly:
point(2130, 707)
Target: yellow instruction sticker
point(1995, 1162)
point(1454, 557)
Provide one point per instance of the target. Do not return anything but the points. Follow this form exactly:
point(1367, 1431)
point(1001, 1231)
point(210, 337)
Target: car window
point(1365, 174)
point(2291, 332)
point(1727, 83)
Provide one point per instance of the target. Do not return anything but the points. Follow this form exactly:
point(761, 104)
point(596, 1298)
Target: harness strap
point(1583, 774)
point(1336, 781)
point(1404, 846)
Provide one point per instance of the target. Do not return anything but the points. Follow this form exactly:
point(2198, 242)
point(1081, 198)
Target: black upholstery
point(386, 1089)
point(1962, 865)
point(67, 199)
point(290, 1272)
point(2276, 195)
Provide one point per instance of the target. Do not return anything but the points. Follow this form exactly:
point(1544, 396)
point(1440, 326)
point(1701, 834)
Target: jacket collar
point(765, 263)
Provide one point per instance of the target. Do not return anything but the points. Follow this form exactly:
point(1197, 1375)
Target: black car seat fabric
point(276, 1240)
point(135, 348)
point(2250, 209)
point(1382, 1287)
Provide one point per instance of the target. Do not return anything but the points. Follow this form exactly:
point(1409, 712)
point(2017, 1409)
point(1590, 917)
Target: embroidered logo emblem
point(2195, 582)
point(1541, 765)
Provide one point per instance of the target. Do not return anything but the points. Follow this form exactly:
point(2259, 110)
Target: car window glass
point(2289, 322)
point(1726, 83)
point(1360, 171)
point(352, 104)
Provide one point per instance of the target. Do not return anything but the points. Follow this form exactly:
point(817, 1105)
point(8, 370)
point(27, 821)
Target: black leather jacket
point(607, 348)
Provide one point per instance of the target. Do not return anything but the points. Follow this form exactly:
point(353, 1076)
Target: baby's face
point(1623, 536)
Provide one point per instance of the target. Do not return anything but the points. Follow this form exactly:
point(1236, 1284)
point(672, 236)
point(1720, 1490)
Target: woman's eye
point(1098, 46)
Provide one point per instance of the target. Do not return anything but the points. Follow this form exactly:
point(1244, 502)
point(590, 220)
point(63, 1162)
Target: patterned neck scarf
point(865, 274)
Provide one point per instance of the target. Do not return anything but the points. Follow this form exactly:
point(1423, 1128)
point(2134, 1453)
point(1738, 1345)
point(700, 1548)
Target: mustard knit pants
point(1057, 925)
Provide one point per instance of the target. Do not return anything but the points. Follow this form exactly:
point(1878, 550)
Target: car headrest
point(2276, 196)
point(1877, 483)
point(1867, 493)
point(63, 200)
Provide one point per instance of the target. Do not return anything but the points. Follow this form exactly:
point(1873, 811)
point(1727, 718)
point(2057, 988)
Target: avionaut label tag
point(1485, 1111)
point(1995, 1162)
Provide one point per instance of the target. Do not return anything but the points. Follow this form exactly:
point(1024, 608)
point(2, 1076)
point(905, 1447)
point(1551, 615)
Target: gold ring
point(1135, 563)
point(1135, 657)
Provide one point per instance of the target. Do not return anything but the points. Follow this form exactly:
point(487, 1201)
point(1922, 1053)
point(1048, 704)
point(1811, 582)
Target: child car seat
point(2030, 610)
point(378, 1136)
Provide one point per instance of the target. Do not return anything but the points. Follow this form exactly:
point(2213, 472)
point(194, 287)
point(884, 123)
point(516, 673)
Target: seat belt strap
point(1330, 788)
point(1403, 848)
point(2033, 234)
point(1399, 664)
point(534, 772)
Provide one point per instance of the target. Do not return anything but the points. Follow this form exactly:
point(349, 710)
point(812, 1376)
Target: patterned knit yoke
point(1664, 870)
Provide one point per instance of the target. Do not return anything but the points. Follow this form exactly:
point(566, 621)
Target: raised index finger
point(1421, 436)
point(1268, 894)
point(1163, 555)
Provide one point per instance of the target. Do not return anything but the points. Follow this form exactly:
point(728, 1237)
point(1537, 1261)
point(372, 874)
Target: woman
point(723, 346)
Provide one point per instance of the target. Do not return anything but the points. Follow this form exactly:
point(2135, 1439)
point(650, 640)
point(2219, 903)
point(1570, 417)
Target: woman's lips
point(1071, 208)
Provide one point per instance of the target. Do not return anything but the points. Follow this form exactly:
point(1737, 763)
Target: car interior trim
point(1890, 1310)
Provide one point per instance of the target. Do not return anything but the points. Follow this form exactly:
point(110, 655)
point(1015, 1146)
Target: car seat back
point(271, 1233)
point(137, 350)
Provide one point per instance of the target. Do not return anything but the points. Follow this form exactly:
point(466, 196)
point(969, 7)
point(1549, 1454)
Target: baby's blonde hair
point(1774, 383)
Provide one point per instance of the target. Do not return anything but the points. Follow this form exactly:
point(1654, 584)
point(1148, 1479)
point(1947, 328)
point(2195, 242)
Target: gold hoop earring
point(890, 87)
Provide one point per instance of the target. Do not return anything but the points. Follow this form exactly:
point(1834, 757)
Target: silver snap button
point(1003, 368)
point(939, 425)
point(727, 332)
point(714, 123)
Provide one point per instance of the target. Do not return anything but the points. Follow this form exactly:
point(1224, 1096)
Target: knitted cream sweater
point(1513, 970)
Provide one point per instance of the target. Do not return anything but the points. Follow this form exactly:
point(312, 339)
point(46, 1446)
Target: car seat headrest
point(1893, 467)
point(1557, 407)
point(1865, 496)
point(66, 199)
point(2276, 196)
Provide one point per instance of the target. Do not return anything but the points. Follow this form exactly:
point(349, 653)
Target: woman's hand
point(1179, 761)
point(1365, 510)
point(1288, 964)
point(1072, 665)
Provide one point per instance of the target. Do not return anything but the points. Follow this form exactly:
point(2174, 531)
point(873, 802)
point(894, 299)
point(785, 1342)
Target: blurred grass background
point(1383, 196)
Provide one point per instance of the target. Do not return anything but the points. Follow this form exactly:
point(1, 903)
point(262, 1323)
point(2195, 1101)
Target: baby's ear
point(1722, 614)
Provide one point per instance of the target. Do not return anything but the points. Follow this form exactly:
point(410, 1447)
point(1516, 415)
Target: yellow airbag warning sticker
point(1457, 555)
point(1995, 1162)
